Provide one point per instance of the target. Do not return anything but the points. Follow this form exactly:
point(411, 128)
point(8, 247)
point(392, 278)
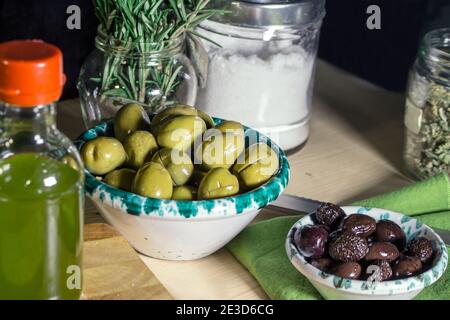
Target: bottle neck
point(434, 55)
point(40, 119)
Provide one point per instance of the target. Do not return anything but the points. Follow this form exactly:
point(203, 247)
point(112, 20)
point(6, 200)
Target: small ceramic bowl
point(332, 287)
point(181, 230)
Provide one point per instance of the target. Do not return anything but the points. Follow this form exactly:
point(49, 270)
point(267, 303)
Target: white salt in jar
point(262, 73)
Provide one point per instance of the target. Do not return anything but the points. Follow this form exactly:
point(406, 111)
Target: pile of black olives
point(348, 245)
point(181, 155)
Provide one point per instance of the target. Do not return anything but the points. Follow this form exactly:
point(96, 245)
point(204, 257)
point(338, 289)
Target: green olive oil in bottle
point(41, 195)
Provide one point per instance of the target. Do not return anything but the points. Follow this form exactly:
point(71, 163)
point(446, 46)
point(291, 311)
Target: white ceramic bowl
point(332, 287)
point(181, 230)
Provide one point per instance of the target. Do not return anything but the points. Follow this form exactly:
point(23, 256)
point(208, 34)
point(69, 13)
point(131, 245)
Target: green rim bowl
point(333, 287)
point(181, 230)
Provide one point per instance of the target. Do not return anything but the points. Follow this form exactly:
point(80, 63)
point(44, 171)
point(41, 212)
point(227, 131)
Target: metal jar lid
point(266, 13)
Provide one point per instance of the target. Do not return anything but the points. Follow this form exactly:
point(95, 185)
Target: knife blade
point(292, 205)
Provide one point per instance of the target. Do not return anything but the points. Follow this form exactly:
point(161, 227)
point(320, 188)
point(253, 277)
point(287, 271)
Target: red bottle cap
point(31, 73)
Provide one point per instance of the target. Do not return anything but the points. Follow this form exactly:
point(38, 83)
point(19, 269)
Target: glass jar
point(41, 179)
point(153, 75)
point(427, 117)
point(262, 73)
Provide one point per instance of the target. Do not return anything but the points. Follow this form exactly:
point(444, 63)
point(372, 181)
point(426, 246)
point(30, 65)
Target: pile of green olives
point(181, 155)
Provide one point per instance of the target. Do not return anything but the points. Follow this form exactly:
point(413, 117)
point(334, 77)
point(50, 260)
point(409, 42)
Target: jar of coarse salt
point(259, 65)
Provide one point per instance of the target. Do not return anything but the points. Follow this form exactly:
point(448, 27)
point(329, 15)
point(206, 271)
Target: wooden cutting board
point(113, 270)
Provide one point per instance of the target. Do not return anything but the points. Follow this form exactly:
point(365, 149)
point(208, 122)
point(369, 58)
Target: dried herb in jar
point(435, 133)
point(427, 114)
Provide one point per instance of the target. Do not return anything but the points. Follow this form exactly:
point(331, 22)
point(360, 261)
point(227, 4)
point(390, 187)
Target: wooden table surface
point(354, 152)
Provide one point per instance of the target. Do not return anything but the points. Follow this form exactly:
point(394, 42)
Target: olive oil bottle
point(41, 179)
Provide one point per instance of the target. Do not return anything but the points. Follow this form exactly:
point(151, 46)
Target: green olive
point(139, 145)
point(153, 181)
point(103, 155)
point(218, 183)
point(260, 163)
point(184, 193)
point(130, 118)
point(220, 150)
point(252, 154)
point(180, 132)
point(121, 179)
point(179, 110)
point(207, 118)
point(171, 112)
point(230, 127)
point(178, 163)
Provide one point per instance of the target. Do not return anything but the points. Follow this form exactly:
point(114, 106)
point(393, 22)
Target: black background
point(46, 20)
point(380, 56)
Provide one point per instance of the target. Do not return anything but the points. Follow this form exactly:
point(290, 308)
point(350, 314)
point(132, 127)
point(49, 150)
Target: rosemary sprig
point(145, 26)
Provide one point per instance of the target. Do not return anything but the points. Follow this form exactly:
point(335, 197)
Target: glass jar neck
point(39, 120)
point(139, 50)
point(434, 55)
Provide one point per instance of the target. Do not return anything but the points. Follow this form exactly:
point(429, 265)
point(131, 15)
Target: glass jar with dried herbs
point(140, 57)
point(427, 118)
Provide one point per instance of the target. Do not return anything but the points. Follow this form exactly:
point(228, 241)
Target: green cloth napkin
point(260, 247)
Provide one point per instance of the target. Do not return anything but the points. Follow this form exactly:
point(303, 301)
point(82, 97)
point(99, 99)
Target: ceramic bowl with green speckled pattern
point(181, 230)
point(332, 287)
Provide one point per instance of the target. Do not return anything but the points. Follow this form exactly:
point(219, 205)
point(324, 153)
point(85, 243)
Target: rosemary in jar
point(427, 119)
point(140, 56)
